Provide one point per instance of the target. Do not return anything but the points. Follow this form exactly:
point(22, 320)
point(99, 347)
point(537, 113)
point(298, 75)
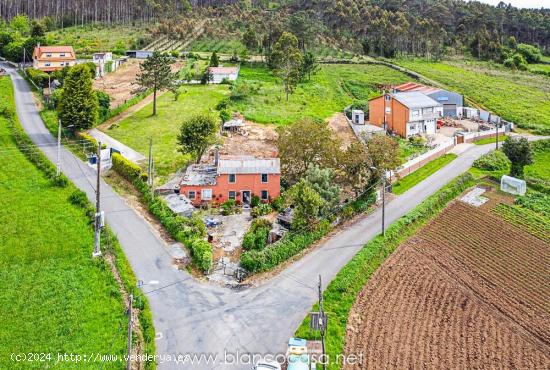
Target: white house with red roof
point(223, 73)
point(52, 58)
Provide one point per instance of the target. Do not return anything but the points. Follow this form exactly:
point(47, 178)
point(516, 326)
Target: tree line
point(379, 27)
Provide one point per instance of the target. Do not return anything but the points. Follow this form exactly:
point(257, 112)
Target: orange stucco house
point(53, 58)
point(232, 177)
point(405, 113)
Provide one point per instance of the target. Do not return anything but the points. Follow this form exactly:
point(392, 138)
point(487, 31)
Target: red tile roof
point(40, 50)
point(223, 70)
point(413, 86)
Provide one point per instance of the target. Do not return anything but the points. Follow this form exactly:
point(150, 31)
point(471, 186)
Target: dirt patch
point(340, 126)
point(468, 291)
point(254, 139)
point(120, 83)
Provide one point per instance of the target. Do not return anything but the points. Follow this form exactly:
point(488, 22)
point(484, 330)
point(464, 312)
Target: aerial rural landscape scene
point(254, 184)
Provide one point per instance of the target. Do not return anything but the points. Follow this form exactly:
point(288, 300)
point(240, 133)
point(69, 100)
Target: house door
point(246, 196)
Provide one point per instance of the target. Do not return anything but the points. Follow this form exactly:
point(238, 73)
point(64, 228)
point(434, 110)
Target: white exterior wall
point(219, 77)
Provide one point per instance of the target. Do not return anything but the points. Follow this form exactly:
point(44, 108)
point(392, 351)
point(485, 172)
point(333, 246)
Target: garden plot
point(468, 291)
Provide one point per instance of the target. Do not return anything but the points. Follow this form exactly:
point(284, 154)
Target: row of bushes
point(258, 259)
point(343, 290)
point(291, 244)
point(28, 148)
point(189, 231)
point(256, 237)
point(493, 161)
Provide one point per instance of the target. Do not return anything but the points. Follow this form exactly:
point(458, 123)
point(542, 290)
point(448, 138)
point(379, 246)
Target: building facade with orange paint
point(53, 58)
point(405, 113)
point(238, 178)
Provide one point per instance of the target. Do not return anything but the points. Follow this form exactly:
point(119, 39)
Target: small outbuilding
point(219, 74)
point(139, 54)
point(358, 117)
point(513, 185)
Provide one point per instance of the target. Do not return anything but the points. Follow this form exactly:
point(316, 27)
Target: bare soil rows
point(468, 291)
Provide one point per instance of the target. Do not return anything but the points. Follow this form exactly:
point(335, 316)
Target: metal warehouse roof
point(415, 99)
point(249, 165)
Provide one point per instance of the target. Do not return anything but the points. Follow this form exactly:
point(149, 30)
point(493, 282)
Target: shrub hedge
point(292, 243)
point(343, 290)
point(256, 236)
point(493, 161)
point(189, 231)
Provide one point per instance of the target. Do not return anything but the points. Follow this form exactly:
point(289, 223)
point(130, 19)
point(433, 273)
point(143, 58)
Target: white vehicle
point(267, 365)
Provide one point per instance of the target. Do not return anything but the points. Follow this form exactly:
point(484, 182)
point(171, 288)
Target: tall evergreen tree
point(155, 74)
point(79, 104)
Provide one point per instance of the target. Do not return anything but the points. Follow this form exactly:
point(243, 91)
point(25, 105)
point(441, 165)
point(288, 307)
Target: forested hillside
point(380, 27)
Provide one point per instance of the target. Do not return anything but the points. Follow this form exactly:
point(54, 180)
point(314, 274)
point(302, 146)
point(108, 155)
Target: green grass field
point(219, 45)
point(520, 97)
point(422, 173)
point(54, 297)
point(329, 91)
point(91, 38)
point(136, 129)
point(491, 140)
point(540, 168)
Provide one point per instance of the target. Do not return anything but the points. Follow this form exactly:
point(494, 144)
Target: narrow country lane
point(192, 317)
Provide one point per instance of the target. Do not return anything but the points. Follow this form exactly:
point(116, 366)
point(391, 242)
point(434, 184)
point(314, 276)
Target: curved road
point(191, 317)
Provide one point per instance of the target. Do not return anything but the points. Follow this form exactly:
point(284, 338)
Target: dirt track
point(469, 291)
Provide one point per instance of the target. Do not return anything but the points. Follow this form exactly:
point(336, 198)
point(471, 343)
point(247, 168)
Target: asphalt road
point(193, 317)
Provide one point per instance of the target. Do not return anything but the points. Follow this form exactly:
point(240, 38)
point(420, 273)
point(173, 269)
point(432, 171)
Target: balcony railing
point(425, 116)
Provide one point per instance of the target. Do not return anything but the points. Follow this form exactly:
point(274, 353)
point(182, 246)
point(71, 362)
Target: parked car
point(3, 72)
point(267, 365)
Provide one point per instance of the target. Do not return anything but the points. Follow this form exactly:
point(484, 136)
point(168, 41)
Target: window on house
point(206, 194)
point(264, 195)
point(49, 55)
point(62, 54)
point(232, 195)
point(191, 195)
point(428, 110)
point(264, 177)
point(47, 64)
point(388, 110)
point(387, 98)
point(232, 178)
point(415, 113)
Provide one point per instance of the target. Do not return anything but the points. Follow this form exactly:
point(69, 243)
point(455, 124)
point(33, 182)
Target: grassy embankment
point(520, 97)
point(422, 173)
point(56, 297)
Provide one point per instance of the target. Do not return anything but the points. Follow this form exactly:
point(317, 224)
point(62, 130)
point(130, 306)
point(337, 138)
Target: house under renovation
point(232, 177)
point(405, 113)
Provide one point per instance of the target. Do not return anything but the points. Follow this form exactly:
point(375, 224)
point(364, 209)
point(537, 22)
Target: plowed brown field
point(469, 291)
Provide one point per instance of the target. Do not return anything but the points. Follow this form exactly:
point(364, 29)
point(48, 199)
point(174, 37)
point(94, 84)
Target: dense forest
point(377, 27)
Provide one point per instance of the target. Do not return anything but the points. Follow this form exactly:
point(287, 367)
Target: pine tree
point(155, 74)
point(79, 104)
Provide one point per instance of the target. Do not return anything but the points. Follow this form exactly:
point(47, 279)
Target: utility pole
point(129, 360)
point(150, 160)
point(322, 323)
point(383, 203)
point(152, 178)
point(58, 169)
point(496, 126)
point(97, 241)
